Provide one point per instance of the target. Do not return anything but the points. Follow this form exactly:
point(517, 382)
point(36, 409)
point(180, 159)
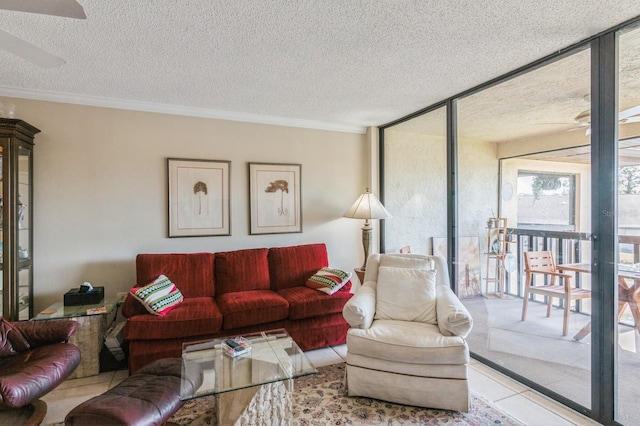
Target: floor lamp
point(366, 207)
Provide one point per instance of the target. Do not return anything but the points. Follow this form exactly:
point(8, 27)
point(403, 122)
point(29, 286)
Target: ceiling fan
point(26, 50)
point(583, 120)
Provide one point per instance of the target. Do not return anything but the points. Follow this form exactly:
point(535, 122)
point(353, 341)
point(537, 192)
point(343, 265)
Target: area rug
point(320, 400)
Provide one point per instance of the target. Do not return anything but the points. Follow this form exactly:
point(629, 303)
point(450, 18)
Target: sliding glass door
point(512, 168)
point(627, 305)
point(415, 184)
point(543, 161)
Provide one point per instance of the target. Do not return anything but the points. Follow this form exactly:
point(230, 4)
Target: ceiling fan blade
point(66, 8)
point(28, 51)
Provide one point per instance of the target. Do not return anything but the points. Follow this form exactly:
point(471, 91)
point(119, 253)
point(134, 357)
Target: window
point(546, 201)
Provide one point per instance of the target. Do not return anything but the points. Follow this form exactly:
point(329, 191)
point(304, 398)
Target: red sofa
point(235, 292)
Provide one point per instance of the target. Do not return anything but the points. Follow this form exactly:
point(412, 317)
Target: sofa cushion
point(245, 308)
point(408, 342)
point(406, 294)
point(242, 270)
point(195, 316)
point(292, 266)
point(305, 302)
point(328, 280)
point(159, 297)
point(191, 272)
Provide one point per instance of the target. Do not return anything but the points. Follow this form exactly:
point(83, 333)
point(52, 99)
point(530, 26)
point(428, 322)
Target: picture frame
point(199, 197)
point(275, 198)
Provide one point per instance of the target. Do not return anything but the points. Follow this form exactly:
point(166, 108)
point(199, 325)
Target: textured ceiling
point(334, 64)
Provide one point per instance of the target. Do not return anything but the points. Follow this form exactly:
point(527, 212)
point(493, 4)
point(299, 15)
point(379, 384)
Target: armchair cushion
point(34, 359)
point(407, 342)
point(453, 318)
point(30, 334)
point(29, 375)
point(11, 340)
point(406, 294)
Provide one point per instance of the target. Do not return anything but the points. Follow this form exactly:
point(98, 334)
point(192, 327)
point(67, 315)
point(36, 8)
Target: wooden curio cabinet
point(16, 213)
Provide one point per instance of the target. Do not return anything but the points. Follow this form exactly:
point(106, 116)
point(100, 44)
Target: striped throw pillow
point(328, 280)
point(159, 296)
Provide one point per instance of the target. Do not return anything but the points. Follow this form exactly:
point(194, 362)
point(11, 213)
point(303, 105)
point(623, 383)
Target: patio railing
point(569, 247)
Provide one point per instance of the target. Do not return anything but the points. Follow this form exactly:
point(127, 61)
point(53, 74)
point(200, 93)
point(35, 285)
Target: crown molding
point(105, 102)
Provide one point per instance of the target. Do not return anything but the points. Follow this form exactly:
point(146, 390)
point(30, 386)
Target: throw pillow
point(406, 294)
point(407, 261)
point(159, 296)
point(328, 280)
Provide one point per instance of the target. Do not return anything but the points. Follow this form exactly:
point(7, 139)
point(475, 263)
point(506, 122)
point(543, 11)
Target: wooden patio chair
point(543, 263)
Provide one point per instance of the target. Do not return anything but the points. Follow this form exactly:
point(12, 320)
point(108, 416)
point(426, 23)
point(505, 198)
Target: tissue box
point(74, 298)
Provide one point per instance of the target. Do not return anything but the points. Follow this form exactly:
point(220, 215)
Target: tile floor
point(521, 402)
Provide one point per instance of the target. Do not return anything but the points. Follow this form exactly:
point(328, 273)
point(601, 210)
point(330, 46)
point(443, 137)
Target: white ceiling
point(333, 64)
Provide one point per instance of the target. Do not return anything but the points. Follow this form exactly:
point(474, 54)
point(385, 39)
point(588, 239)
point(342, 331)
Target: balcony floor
point(536, 349)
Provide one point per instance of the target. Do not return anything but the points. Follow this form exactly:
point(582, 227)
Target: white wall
point(100, 189)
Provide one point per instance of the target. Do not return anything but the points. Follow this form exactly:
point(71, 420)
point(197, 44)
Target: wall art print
point(275, 198)
point(198, 197)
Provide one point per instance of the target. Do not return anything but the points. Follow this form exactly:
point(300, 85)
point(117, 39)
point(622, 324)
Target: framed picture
point(274, 191)
point(198, 197)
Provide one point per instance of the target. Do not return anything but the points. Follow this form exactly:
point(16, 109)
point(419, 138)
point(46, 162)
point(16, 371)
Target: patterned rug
point(320, 400)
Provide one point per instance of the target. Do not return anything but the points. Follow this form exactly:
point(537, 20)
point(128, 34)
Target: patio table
point(627, 294)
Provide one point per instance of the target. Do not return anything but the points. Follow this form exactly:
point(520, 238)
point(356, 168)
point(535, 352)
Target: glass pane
point(629, 229)
point(415, 184)
point(24, 278)
point(1, 232)
point(24, 249)
point(518, 194)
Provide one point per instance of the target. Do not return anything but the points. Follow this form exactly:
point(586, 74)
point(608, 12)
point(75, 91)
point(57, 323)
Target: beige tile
point(118, 377)
point(322, 357)
point(531, 413)
point(61, 401)
point(341, 350)
point(559, 409)
point(84, 381)
point(499, 377)
point(488, 387)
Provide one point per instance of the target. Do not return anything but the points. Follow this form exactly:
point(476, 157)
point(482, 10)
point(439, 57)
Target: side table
point(89, 337)
point(360, 273)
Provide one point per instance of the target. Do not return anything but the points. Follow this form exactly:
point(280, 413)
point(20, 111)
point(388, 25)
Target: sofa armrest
point(361, 308)
point(453, 317)
point(40, 333)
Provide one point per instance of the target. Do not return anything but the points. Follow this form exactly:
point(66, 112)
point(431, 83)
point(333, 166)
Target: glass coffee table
point(254, 388)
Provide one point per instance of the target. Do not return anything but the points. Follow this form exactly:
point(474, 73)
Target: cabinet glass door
point(24, 210)
point(2, 292)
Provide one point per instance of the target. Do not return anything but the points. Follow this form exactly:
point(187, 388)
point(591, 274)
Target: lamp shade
point(367, 206)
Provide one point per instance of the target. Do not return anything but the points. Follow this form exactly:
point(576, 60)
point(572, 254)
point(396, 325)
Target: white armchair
point(407, 341)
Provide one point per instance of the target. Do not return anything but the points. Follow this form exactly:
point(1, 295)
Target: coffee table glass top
point(274, 357)
point(58, 310)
